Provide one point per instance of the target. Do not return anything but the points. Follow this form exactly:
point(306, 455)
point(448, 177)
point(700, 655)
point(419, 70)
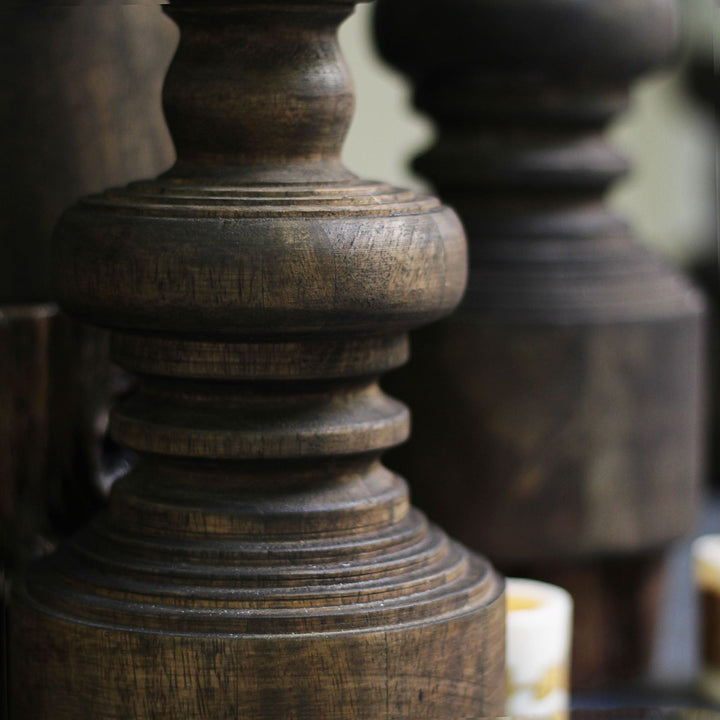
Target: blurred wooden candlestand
point(557, 424)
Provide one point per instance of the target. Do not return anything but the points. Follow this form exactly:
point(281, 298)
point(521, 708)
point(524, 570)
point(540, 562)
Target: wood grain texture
point(259, 561)
point(563, 422)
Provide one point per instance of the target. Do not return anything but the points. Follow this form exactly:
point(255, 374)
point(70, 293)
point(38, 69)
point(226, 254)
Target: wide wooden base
point(259, 561)
point(387, 672)
point(557, 414)
point(403, 623)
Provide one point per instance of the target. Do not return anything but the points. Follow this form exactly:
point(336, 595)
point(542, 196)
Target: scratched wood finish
point(259, 561)
point(562, 420)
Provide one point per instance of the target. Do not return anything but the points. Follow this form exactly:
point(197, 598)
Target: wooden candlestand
point(557, 413)
point(259, 561)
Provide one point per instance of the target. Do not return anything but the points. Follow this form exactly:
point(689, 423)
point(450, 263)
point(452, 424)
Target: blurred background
point(669, 135)
point(669, 198)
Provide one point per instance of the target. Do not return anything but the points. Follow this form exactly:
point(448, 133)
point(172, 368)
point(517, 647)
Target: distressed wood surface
point(562, 423)
point(259, 561)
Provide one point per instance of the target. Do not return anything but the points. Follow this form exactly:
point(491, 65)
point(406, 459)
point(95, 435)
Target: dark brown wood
point(259, 561)
point(563, 418)
point(710, 628)
point(25, 529)
point(54, 381)
point(74, 80)
point(24, 423)
point(79, 111)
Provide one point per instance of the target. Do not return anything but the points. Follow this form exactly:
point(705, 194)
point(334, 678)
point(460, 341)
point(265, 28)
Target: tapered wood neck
point(259, 92)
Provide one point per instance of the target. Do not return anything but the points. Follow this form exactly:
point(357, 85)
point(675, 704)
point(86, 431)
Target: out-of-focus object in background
point(561, 431)
point(702, 75)
point(706, 566)
point(539, 633)
point(79, 111)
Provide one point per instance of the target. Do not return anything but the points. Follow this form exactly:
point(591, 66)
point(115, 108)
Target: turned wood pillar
point(259, 561)
point(557, 422)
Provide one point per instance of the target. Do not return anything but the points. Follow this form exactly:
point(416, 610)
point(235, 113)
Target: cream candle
point(539, 629)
